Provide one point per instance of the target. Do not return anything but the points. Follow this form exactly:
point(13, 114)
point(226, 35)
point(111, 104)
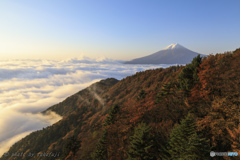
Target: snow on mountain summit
point(173, 46)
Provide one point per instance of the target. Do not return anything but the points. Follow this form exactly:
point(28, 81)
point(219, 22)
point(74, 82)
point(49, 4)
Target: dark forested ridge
point(173, 113)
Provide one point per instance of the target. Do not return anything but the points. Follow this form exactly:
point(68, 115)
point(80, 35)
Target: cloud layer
point(28, 87)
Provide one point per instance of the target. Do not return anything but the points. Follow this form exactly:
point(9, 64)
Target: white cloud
point(6, 144)
point(27, 87)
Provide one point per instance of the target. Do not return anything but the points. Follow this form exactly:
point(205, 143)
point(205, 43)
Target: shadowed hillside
point(173, 113)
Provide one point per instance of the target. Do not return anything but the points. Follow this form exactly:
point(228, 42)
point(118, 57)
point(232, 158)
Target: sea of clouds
point(28, 87)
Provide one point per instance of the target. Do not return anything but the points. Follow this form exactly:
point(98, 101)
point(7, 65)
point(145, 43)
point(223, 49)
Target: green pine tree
point(101, 148)
point(141, 95)
point(186, 144)
point(141, 144)
point(72, 145)
point(188, 77)
point(111, 115)
point(165, 90)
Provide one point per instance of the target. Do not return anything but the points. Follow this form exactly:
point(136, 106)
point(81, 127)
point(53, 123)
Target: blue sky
point(118, 29)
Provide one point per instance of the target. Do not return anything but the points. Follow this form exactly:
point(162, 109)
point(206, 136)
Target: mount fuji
point(172, 54)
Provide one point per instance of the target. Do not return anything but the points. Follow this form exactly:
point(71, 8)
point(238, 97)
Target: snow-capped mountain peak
point(172, 54)
point(173, 46)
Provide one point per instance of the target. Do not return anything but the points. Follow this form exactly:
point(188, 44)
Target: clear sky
point(118, 29)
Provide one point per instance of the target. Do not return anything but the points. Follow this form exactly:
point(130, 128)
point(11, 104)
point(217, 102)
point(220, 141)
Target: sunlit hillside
point(181, 112)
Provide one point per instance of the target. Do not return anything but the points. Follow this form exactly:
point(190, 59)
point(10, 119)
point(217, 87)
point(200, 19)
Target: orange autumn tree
point(235, 139)
point(216, 97)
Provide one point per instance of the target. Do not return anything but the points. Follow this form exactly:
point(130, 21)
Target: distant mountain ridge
point(172, 54)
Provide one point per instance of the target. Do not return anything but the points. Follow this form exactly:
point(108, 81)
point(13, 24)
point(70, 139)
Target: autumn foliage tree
point(235, 139)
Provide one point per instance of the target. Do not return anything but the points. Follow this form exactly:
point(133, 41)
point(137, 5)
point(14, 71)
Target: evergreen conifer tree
point(141, 144)
point(110, 118)
point(72, 145)
point(165, 90)
point(101, 148)
point(185, 143)
point(188, 77)
point(141, 95)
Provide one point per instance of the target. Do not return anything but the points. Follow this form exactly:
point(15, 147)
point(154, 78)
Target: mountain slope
point(84, 98)
point(173, 54)
point(156, 97)
point(85, 121)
